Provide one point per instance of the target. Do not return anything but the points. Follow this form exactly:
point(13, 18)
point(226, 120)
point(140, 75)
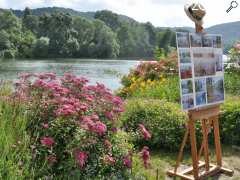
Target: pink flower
point(117, 100)
point(45, 125)
point(127, 161)
point(145, 156)
point(99, 128)
point(108, 115)
point(47, 141)
point(66, 110)
point(83, 107)
point(81, 158)
point(144, 132)
point(95, 117)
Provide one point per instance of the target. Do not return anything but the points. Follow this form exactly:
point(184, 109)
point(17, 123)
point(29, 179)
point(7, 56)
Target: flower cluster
point(72, 121)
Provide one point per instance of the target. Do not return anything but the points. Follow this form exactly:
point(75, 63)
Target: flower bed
point(74, 128)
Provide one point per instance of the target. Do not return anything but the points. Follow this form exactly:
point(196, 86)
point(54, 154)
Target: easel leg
point(217, 141)
point(205, 143)
point(181, 150)
point(193, 147)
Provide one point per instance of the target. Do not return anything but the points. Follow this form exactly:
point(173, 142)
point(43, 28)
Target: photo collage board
point(200, 58)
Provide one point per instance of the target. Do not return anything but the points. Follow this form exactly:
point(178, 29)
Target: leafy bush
point(235, 53)
point(231, 80)
point(151, 74)
point(73, 128)
point(167, 89)
point(163, 119)
point(230, 122)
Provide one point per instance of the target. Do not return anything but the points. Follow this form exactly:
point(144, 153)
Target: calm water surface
point(107, 72)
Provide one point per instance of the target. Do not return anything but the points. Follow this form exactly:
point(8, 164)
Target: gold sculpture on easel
point(208, 117)
point(196, 13)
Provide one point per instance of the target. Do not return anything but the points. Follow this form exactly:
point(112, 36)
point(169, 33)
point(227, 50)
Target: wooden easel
point(209, 119)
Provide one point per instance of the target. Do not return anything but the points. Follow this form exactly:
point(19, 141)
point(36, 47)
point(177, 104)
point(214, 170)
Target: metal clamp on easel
point(207, 115)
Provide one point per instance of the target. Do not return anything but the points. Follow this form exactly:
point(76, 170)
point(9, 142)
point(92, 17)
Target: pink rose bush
point(74, 127)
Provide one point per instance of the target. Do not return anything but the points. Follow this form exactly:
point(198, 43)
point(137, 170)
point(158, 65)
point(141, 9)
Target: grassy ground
point(14, 149)
point(163, 161)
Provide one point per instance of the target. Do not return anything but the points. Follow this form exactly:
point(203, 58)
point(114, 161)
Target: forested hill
point(230, 31)
point(50, 10)
point(61, 32)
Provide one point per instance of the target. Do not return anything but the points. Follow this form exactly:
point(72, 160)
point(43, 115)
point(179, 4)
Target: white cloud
point(159, 12)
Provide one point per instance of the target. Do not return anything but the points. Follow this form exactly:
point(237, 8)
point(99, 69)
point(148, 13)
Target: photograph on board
point(186, 71)
point(183, 40)
point(200, 85)
point(215, 89)
point(204, 67)
point(196, 40)
point(207, 41)
point(217, 41)
point(187, 101)
point(187, 86)
point(219, 62)
point(185, 56)
point(200, 98)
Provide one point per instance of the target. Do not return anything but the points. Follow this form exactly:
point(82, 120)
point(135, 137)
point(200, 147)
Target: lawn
point(162, 161)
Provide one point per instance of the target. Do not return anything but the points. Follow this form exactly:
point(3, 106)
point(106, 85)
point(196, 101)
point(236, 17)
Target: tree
point(167, 40)
point(109, 18)
point(105, 43)
point(85, 31)
point(152, 33)
point(31, 22)
point(4, 40)
point(127, 43)
point(9, 22)
point(57, 27)
point(25, 44)
point(27, 11)
point(40, 47)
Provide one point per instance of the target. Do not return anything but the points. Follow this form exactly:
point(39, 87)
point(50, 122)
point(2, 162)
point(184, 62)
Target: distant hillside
point(50, 10)
point(229, 31)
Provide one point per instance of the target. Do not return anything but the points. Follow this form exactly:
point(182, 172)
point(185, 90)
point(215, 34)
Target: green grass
point(14, 148)
point(162, 161)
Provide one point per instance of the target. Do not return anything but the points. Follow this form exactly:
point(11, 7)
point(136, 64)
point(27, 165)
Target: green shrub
point(164, 120)
point(231, 81)
point(230, 122)
point(167, 90)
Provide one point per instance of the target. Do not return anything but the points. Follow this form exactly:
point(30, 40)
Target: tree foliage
point(60, 34)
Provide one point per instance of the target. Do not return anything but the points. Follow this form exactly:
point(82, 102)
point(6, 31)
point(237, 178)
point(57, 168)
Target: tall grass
point(14, 142)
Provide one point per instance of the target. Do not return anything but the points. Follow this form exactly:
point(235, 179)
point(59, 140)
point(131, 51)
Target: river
point(108, 72)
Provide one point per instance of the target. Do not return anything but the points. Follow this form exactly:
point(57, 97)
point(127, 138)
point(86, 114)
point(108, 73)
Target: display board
point(201, 72)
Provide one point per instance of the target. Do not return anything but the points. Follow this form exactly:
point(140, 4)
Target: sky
point(161, 13)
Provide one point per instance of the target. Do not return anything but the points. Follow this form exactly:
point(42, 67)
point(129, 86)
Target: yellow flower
point(142, 84)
